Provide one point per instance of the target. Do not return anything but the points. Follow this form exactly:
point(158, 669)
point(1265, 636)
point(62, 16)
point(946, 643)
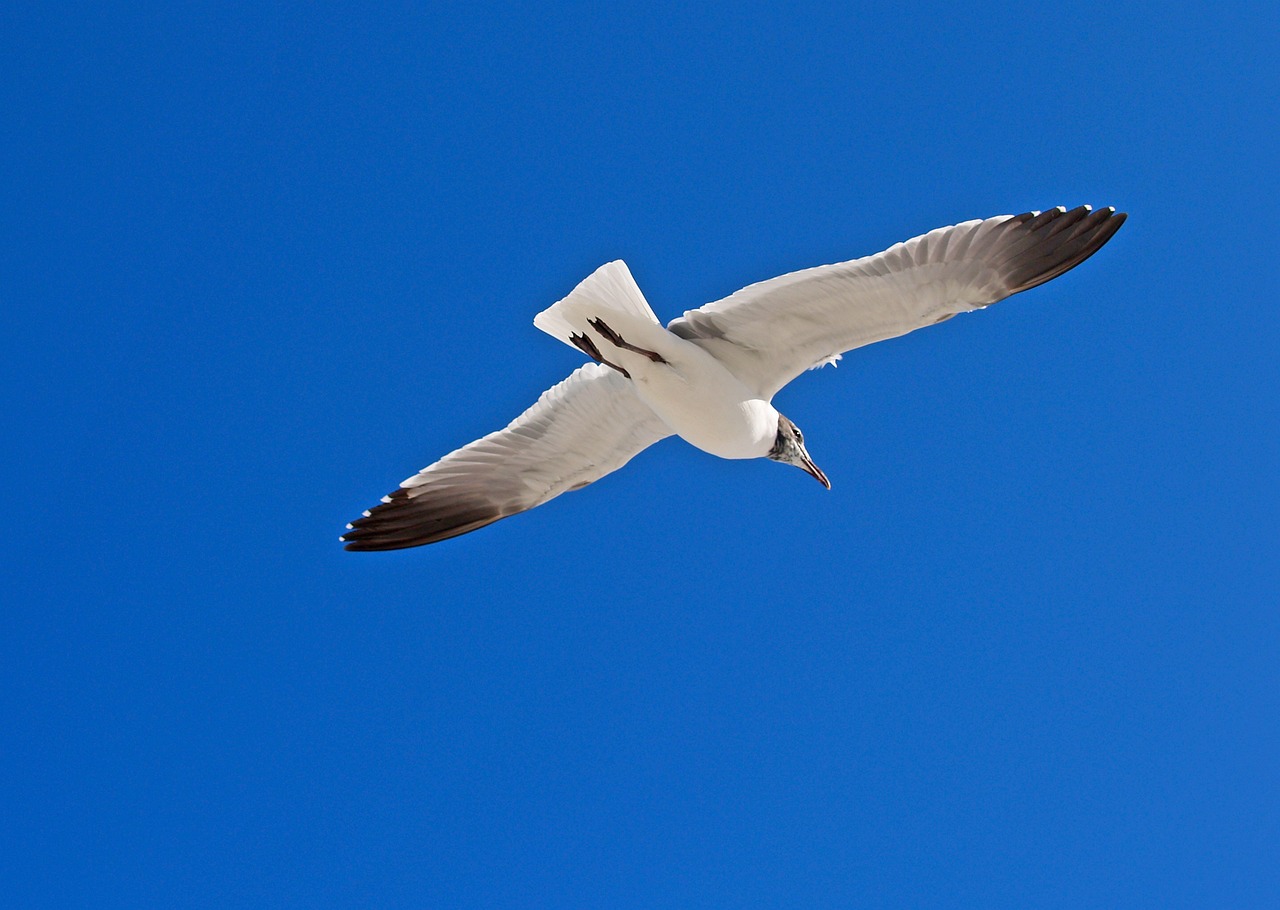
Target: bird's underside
point(766, 334)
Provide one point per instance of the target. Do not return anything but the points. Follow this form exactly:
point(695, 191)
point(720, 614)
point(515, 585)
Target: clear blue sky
point(261, 264)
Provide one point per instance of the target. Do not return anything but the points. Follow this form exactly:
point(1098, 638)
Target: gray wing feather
point(578, 431)
point(770, 332)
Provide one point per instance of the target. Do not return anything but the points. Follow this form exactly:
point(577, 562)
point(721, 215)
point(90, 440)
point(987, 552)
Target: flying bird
point(709, 376)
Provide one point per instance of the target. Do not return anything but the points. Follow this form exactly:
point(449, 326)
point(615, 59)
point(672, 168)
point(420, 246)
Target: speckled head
point(789, 449)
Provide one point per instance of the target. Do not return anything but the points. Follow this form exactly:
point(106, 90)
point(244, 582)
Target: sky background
point(260, 264)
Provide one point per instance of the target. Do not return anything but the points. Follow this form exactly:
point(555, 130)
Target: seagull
point(710, 375)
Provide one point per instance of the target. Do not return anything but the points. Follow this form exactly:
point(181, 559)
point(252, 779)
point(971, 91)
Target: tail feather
point(609, 293)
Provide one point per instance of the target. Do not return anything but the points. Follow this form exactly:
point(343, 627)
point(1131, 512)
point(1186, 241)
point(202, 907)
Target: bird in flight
point(709, 376)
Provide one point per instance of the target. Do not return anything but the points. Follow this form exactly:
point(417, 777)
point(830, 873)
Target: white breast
point(703, 402)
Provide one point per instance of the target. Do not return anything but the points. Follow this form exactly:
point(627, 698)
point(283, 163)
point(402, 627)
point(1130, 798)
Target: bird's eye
point(799, 436)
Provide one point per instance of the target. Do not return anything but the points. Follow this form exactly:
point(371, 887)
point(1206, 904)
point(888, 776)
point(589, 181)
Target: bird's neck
point(763, 421)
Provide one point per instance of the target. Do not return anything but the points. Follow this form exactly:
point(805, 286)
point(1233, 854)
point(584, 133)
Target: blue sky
point(262, 264)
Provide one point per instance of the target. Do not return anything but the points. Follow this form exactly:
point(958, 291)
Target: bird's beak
point(813, 470)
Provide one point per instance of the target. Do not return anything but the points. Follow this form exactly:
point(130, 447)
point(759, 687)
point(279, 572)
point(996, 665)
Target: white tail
point(608, 293)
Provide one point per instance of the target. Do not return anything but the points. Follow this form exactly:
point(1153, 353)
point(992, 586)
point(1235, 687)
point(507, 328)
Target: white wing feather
point(770, 332)
point(578, 431)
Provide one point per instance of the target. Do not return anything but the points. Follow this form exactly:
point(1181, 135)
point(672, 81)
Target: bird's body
point(710, 375)
point(693, 393)
point(704, 404)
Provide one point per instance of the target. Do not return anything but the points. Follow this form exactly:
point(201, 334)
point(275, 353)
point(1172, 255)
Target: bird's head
point(789, 449)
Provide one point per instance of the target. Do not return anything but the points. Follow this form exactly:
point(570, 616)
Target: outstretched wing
point(579, 430)
point(771, 332)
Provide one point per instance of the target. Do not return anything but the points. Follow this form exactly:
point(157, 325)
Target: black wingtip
point(1056, 242)
point(417, 516)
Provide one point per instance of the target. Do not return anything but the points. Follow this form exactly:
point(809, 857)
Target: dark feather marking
point(1046, 259)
